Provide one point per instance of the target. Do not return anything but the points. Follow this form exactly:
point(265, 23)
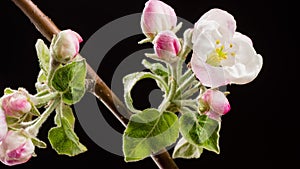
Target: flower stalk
point(34, 129)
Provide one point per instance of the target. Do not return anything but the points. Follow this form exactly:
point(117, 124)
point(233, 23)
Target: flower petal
point(3, 124)
point(157, 16)
point(208, 75)
point(224, 19)
point(247, 62)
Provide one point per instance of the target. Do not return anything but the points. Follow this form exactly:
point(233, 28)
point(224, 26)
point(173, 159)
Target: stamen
point(217, 41)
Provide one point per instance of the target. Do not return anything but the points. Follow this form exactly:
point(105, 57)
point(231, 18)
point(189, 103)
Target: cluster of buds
point(16, 146)
point(18, 128)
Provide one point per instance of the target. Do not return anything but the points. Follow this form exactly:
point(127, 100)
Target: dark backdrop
point(250, 136)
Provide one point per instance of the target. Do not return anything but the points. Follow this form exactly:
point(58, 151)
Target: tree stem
point(47, 28)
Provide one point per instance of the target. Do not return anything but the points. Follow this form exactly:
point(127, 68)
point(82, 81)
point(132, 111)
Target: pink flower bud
point(166, 45)
point(65, 46)
point(16, 104)
point(216, 103)
point(3, 125)
point(15, 148)
point(157, 16)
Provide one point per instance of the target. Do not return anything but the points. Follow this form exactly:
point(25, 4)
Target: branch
point(47, 28)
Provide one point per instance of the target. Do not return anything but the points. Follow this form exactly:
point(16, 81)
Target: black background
point(250, 133)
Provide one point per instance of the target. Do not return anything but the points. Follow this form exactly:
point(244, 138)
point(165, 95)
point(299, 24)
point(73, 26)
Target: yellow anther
point(217, 41)
point(231, 45)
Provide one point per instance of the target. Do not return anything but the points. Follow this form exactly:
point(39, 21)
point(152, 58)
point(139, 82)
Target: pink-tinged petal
point(15, 148)
point(157, 16)
point(216, 102)
point(219, 51)
point(20, 103)
point(6, 105)
point(208, 75)
point(15, 104)
point(223, 18)
point(65, 46)
point(3, 125)
point(219, 103)
point(166, 45)
point(248, 62)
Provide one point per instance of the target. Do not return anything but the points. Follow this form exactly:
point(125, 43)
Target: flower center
point(220, 53)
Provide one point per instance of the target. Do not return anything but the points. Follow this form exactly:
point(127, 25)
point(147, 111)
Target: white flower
point(221, 55)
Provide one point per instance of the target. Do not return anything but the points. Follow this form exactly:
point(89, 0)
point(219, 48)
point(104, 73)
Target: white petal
point(224, 19)
point(208, 75)
point(247, 62)
point(204, 38)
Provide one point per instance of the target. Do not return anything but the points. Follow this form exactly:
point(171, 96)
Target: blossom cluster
point(18, 109)
point(221, 55)
point(194, 98)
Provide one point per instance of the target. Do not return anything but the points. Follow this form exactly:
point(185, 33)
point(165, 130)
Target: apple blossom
point(3, 124)
point(16, 103)
point(221, 55)
point(65, 46)
point(15, 148)
point(166, 45)
point(157, 16)
point(214, 103)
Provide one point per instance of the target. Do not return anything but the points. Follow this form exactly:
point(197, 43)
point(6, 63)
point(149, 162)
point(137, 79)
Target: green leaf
point(184, 149)
point(64, 140)
point(70, 80)
point(148, 132)
point(200, 130)
point(34, 111)
point(156, 68)
point(42, 77)
point(66, 112)
point(43, 55)
point(130, 80)
point(38, 143)
point(8, 91)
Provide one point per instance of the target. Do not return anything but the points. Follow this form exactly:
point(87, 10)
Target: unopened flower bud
point(166, 45)
point(215, 102)
point(157, 16)
point(15, 148)
point(15, 104)
point(65, 46)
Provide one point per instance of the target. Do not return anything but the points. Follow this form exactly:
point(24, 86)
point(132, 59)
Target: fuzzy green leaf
point(43, 55)
point(38, 143)
point(201, 130)
point(184, 149)
point(156, 68)
point(66, 112)
point(130, 80)
point(64, 140)
point(148, 132)
point(70, 80)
